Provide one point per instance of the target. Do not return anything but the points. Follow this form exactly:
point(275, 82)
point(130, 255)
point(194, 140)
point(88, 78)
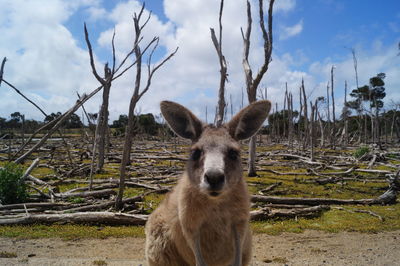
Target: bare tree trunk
point(300, 135)
point(321, 129)
point(94, 152)
point(253, 83)
point(312, 141)
point(2, 69)
point(290, 115)
point(23, 129)
point(393, 123)
point(346, 122)
point(103, 118)
point(277, 124)
point(284, 112)
point(333, 143)
point(306, 130)
point(355, 64)
point(137, 95)
point(328, 120)
point(219, 116)
point(377, 126)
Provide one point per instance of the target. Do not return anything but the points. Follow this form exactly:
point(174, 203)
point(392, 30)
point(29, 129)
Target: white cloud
point(284, 5)
point(96, 13)
point(44, 60)
point(290, 31)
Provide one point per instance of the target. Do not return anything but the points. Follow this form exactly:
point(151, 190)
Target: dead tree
point(56, 123)
point(137, 95)
point(102, 121)
point(305, 112)
point(2, 69)
point(219, 116)
point(312, 140)
point(251, 82)
point(328, 111)
point(344, 139)
point(290, 116)
point(284, 111)
point(333, 134)
point(359, 119)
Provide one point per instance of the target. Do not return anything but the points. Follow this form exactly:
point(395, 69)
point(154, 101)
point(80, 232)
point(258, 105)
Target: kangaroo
point(204, 220)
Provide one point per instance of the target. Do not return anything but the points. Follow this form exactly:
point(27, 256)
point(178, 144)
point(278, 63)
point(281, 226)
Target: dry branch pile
point(154, 168)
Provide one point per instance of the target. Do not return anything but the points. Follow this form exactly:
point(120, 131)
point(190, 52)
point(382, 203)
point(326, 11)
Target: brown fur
point(190, 226)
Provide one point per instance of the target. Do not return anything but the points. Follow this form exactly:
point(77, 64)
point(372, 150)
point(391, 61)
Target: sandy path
point(309, 248)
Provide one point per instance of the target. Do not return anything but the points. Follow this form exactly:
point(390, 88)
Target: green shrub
point(76, 200)
point(12, 188)
point(360, 152)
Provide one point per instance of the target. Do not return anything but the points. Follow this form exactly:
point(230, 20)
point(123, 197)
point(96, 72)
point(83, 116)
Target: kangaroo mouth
point(214, 193)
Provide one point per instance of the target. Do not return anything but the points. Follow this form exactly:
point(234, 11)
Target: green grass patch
point(336, 221)
point(360, 152)
point(42, 172)
point(69, 232)
point(99, 263)
point(5, 254)
point(66, 187)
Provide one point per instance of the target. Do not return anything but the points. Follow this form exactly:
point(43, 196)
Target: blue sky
point(47, 56)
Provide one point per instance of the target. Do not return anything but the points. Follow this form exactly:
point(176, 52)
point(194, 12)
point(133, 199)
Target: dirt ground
point(308, 248)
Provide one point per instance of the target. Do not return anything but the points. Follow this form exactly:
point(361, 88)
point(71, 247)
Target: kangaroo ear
point(183, 122)
point(247, 122)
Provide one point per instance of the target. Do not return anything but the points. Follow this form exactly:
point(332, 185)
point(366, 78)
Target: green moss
point(66, 187)
point(42, 172)
point(5, 254)
point(132, 192)
point(99, 262)
point(70, 231)
point(336, 221)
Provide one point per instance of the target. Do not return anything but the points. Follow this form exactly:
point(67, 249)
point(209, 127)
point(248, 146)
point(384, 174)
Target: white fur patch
point(214, 160)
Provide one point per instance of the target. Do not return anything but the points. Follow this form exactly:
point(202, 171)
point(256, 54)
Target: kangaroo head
point(214, 166)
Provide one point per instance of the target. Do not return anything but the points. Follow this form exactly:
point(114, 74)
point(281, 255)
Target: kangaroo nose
point(215, 179)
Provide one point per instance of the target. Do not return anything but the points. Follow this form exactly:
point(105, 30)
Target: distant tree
point(3, 123)
point(17, 116)
point(32, 125)
point(280, 120)
point(52, 116)
point(121, 122)
point(73, 121)
point(377, 91)
point(147, 124)
point(15, 120)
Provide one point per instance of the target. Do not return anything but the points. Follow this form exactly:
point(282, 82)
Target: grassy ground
point(331, 221)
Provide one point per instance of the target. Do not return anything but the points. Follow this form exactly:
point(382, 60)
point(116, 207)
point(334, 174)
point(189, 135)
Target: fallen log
point(270, 188)
point(33, 205)
point(308, 201)
point(268, 213)
point(102, 206)
point(84, 194)
point(284, 173)
point(79, 218)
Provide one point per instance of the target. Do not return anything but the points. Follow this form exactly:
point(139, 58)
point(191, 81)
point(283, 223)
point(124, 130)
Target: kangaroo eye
point(195, 155)
point(233, 154)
